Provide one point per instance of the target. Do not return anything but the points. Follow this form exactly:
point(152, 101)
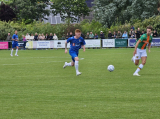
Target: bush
point(63, 29)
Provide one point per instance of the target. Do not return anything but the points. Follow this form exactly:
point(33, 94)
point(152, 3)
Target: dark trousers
point(24, 45)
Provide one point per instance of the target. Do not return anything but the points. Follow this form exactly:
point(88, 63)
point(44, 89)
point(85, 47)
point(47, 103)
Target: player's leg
point(77, 65)
point(16, 51)
point(137, 58)
point(143, 58)
point(12, 52)
point(13, 46)
point(68, 64)
point(72, 62)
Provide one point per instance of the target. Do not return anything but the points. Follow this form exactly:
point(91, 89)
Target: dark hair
point(150, 27)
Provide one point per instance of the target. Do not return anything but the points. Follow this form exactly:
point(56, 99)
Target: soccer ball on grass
point(110, 68)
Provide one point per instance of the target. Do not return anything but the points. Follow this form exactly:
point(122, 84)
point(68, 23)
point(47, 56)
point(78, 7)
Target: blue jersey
point(75, 44)
point(15, 37)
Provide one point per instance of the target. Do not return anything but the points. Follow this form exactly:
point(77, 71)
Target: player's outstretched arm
point(135, 50)
point(84, 49)
point(66, 47)
point(149, 47)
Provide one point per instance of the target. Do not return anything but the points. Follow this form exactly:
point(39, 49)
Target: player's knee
point(144, 62)
point(136, 63)
point(76, 59)
point(72, 65)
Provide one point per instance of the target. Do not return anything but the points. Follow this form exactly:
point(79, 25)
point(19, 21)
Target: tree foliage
point(70, 9)
point(30, 9)
point(6, 13)
point(108, 12)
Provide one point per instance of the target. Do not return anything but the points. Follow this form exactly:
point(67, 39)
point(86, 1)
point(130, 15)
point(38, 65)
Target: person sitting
point(51, 36)
point(125, 35)
point(96, 36)
point(109, 35)
point(36, 37)
point(55, 37)
point(102, 35)
point(87, 36)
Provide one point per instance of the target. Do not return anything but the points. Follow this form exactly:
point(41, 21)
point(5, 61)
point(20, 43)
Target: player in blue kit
point(14, 43)
point(76, 42)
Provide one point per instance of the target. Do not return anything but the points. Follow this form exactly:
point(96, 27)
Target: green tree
point(70, 9)
point(30, 9)
point(109, 12)
point(6, 13)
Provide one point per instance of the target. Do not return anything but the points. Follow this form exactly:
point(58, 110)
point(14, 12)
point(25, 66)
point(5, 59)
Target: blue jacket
point(96, 37)
point(125, 35)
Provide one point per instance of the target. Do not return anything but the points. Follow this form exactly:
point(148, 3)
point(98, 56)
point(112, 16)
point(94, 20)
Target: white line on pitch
point(33, 63)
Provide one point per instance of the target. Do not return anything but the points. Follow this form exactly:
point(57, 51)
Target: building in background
point(57, 19)
point(90, 5)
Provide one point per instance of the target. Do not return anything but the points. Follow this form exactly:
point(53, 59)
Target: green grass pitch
point(35, 86)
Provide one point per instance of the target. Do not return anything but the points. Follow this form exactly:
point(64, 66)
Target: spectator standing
point(39, 37)
point(63, 38)
point(138, 33)
point(95, 36)
point(47, 37)
point(24, 41)
point(109, 35)
point(36, 37)
point(55, 37)
point(51, 36)
point(119, 35)
point(87, 36)
point(142, 32)
point(132, 27)
point(102, 35)
point(43, 37)
point(70, 34)
point(27, 36)
point(155, 34)
point(67, 36)
point(125, 35)
point(82, 35)
point(114, 35)
point(91, 36)
point(132, 36)
point(131, 33)
point(9, 38)
point(31, 37)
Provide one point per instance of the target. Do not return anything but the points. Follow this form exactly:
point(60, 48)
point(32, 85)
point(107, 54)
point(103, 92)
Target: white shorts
point(140, 53)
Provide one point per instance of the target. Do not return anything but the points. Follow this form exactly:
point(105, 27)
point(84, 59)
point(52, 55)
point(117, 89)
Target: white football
point(110, 68)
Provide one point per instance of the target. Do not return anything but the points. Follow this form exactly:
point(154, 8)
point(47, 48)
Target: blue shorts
point(14, 44)
point(73, 55)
